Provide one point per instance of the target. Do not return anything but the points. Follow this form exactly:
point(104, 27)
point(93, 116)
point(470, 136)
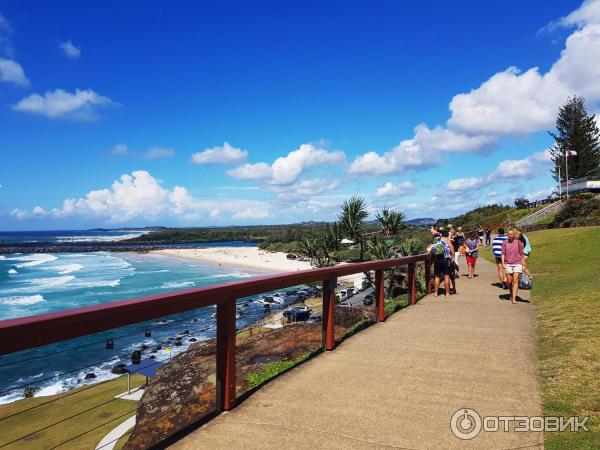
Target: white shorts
point(513, 268)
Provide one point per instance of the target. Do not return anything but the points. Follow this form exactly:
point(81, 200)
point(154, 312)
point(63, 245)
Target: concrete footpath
point(397, 384)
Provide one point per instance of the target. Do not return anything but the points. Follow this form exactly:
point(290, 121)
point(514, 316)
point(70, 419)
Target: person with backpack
point(443, 253)
point(497, 250)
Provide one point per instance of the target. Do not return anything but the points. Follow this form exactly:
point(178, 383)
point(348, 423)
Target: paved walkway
point(397, 384)
point(109, 441)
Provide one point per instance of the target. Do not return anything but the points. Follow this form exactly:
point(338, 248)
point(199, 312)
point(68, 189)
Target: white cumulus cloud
point(12, 72)
point(141, 196)
point(509, 169)
point(226, 154)
point(510, 102)
point(389, 189)
point(151, 153)
point(249, 171)
point(70, 50)
point(287, 169)
point(79, 105)
point(416, 153)
point(5, 31)
point(251, 213)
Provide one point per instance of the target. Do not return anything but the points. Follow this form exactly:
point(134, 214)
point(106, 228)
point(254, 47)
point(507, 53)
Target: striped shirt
point(497, 245)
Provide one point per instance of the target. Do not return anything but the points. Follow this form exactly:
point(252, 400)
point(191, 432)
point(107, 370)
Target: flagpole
point(559, 182)
point(567, 170)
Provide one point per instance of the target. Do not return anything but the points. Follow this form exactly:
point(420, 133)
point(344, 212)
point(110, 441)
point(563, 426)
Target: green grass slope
point(566, 299)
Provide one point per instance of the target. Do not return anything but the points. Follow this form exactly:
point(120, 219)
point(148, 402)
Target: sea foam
point(22, 300)
point(67, 268)
point(33, 260)
point(177, 284)
point(52, 281)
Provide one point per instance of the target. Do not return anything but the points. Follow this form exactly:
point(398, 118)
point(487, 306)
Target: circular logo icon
point(465, 423)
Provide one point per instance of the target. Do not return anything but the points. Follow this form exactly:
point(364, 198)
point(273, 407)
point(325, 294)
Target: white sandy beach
point(244, 257)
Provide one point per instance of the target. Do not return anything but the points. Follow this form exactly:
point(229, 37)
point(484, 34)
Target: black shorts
point(498, 259)
point(442, 266)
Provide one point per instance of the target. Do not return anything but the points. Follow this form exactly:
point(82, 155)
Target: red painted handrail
point(35, 331)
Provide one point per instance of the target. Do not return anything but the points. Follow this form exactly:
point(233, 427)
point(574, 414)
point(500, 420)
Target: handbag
point(525, 282)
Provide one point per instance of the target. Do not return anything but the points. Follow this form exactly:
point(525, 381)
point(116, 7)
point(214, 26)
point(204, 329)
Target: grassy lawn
point(566, 298)
point(98, 420)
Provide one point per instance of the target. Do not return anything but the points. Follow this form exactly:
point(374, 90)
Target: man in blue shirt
point(497, 249)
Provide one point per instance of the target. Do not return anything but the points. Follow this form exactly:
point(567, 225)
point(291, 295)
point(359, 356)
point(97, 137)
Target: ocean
point(45, 282)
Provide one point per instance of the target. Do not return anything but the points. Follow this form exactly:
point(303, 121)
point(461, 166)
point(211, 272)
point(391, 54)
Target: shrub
point(30, 391)
point(578, 211)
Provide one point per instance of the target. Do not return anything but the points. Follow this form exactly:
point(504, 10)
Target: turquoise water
point(40, 283)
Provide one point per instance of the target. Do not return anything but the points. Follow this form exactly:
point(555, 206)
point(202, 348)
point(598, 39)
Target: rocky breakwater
point(183, 390)
point(80, 247)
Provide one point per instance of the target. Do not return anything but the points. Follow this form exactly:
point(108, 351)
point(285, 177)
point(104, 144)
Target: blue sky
point(181, 113)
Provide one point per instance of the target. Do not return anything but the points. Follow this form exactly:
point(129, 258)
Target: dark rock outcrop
point(184, 388)
point(119, 369)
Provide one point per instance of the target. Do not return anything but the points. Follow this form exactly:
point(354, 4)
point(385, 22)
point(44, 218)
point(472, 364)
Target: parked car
point(314, 318)
point(345, 303)
point(297, 313)
point(349, 292)
point(369, 299)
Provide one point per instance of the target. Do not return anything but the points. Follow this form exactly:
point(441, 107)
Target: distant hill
point(421, 221)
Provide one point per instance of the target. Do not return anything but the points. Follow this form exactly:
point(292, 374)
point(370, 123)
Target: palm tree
point(391, 221)
point(412, 246)
point(379, 248)
point(332, 238)
point(315, 249)
point(351, 218)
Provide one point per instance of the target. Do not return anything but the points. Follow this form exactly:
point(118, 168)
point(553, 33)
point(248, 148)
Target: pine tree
point(576, 131)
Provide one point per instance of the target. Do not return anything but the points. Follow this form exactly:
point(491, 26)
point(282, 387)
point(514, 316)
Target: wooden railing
point(35, 331)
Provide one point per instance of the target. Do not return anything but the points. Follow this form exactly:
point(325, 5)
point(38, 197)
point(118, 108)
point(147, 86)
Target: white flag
point(571, 153)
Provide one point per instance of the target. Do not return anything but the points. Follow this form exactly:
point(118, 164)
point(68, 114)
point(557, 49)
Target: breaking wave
point(22, 300)
point(33, 260)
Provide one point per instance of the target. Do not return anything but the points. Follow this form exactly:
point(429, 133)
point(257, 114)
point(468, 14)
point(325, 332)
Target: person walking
point(512, 260)
point(472, 251)
point(497, 250)
point(443, 253)
point(480, 234)
point(526, 250)
point(488, 236)
point(458, 241)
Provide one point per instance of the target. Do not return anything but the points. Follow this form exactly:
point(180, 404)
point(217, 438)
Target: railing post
point(427, 275)
point(226, 355)
point(412, 279)
point(328, 339)
point(379, 300)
